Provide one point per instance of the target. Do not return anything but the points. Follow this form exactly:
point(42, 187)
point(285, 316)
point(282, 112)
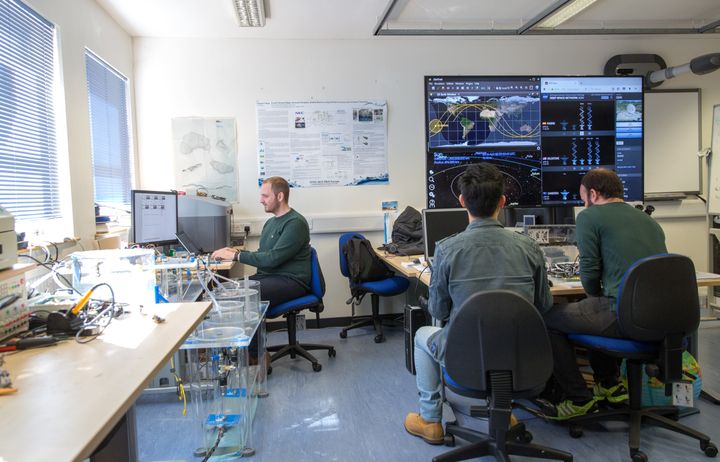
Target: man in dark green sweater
point(611, 236)
point(283, 258)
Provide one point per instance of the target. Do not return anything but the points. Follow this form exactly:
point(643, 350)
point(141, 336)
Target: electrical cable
point(180, 387)
point(209, 453)
point(97, 320)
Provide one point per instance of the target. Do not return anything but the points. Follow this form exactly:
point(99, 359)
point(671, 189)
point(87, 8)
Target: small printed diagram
point(205, 156)
point(364, 115)
point(299, 120)
point(362, 140)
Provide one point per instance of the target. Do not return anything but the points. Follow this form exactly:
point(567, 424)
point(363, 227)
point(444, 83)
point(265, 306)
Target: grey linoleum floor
point(354, 408)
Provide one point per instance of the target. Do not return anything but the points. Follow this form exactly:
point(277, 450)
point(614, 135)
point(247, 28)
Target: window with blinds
point(109, 128)
point(29, 183)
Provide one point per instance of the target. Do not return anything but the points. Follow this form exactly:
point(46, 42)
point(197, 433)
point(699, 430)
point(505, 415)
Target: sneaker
point(567, 409)
point(616, 394)
point(431, 432)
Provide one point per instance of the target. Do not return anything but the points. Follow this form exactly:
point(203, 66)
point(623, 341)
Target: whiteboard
point(714, 190)
point(672, 141)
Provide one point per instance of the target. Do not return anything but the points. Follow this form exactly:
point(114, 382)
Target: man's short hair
point(605, 182)
point(482, 185)
point(278, 185)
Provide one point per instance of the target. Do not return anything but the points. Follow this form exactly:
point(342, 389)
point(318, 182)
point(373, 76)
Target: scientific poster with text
point(338, 143)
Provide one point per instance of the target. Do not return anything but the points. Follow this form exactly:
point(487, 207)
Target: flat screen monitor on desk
point(154, 217)
point(439, 224)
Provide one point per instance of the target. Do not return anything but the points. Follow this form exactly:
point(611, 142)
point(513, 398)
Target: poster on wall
point(206, 155)
point(332, 143)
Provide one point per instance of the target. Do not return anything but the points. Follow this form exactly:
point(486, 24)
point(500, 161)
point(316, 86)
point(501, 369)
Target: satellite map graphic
point(463, 121)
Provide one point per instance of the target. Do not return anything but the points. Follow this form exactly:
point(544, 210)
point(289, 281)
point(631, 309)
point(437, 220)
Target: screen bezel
point(539, 78)
point(133, 194)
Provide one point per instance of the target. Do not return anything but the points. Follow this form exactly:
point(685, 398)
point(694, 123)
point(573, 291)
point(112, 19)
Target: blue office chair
point(497, 349)
point(313, 302)
point(388, 287)
point(657, 307)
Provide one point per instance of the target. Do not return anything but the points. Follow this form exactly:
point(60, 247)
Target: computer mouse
point(550, 283)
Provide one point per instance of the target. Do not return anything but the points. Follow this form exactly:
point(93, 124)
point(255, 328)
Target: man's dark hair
point(482, 185)
point(279, 185)
point(605, 182)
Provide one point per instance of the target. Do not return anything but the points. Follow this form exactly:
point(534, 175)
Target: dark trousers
point(276, 290)
point(592, 316)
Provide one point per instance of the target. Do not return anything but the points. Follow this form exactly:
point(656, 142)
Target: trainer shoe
point(567, 409)
point(616, 394)
point(431, 432)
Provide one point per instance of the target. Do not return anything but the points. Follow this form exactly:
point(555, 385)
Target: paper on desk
point(704, 275)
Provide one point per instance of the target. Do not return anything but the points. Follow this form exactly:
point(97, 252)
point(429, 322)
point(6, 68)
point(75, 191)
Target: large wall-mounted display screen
point(543, 133)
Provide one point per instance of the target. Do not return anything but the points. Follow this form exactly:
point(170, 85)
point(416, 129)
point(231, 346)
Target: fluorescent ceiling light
point(250, 13)
point(564, 13)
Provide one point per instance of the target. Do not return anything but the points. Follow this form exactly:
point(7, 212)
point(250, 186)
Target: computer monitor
point(154, 217)
point(439, 224)
point(543, 133)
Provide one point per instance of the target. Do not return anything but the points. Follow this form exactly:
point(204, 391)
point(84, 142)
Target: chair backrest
point(498, 330)
point(317, 281)
point(658, 297)
point(341, 244)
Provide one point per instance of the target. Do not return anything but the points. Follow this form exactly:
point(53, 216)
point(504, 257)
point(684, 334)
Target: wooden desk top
point(559, 288)
point(70, 395)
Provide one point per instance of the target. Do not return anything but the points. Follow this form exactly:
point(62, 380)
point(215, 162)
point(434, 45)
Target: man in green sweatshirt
point(283, 257)
point(611, 236)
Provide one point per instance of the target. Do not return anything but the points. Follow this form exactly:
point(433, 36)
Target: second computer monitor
point(154, 217)
point(439, 224)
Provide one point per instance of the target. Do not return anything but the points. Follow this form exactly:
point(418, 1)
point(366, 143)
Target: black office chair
point(313, 302)
point(497, 349)
point(388, 287)
point(657, 308)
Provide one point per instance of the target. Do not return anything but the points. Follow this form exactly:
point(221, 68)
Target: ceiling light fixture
point(250, 13)
point(564, 13)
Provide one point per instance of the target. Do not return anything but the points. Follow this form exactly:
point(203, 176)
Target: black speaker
point(414, 319)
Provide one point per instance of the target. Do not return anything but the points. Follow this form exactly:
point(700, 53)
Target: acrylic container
point(225, 381)
point(130, 273)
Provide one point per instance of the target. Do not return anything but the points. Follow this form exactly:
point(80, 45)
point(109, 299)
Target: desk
point(70, 396)
point(558, 289)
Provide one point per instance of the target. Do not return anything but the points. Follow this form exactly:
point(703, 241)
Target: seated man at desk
point(483, 257)
point(283, 258)
point(611, 236)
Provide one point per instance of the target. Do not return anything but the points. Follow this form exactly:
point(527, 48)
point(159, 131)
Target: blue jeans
point(428, 376)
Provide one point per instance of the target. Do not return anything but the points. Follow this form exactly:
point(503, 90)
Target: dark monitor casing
point(441, 223)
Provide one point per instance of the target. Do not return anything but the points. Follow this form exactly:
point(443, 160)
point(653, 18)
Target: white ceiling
point(324, 19)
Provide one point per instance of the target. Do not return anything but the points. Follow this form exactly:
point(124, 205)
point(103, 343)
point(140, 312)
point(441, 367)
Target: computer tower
point(414, 318)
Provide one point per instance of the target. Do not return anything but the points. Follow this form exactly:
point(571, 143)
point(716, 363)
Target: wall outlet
point(300, 322)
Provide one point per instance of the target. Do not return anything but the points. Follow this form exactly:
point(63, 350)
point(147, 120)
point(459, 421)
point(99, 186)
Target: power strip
point(15, 316)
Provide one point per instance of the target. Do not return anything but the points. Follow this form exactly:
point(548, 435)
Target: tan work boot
point(431, 432)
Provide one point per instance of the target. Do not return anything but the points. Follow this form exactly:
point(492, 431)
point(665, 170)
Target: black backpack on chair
point(363, 264)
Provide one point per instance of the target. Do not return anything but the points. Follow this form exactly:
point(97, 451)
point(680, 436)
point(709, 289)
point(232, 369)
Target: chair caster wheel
point(317, 367)
point(709, 449)
point(343, 334)
point(379, 338)
point(332, 352)
point(449, 441)
point(639, 456)
point(526, 437)
point(575, 431)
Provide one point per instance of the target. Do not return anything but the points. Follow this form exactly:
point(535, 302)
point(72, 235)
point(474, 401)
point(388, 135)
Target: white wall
point(81, 24)
point(224, 77)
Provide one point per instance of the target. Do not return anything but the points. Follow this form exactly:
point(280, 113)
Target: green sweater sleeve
point(293, 238)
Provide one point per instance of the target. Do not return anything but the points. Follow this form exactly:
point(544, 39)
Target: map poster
point(338, 143)
point(206, 156)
